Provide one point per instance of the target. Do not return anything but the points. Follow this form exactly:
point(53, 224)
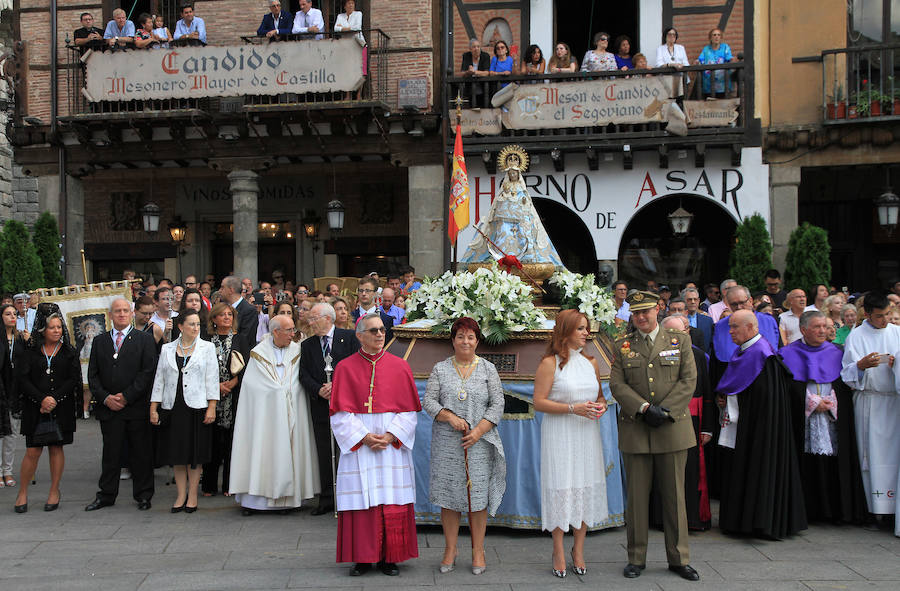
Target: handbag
point(236, 364)
point(47, 431)
point(165, 416)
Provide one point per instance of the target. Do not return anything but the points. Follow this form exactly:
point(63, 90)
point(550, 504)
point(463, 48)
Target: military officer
point(652, 379)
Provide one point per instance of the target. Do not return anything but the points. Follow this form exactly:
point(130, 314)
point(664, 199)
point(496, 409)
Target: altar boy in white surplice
point(869, 368)
point(273, 460)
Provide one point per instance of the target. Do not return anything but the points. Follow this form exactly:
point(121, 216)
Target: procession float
point(513, 283)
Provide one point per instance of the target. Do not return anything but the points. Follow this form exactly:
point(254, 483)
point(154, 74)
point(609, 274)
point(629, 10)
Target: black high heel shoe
point(21, 508)
point(579, 570)
point(189, 509)
point(179, 509)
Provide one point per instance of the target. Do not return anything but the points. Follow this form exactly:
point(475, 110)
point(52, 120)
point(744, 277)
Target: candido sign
point(607, 199)
point(326, 65)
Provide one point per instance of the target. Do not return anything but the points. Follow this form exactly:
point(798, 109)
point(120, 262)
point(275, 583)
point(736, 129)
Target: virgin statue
point(512, 225)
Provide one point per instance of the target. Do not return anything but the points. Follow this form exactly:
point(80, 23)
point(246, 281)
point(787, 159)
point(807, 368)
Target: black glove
point(656, 415)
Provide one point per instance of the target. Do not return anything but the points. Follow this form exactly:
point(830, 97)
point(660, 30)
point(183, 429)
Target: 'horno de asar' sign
point(326, 65)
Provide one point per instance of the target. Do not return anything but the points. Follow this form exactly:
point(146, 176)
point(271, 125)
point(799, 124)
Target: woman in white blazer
point(673, 55)
point(183, 405)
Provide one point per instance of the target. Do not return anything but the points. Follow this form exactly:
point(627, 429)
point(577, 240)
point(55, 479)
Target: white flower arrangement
point(499, 302)
point(581, 293)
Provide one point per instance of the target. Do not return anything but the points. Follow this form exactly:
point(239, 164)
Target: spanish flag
point(459, 190)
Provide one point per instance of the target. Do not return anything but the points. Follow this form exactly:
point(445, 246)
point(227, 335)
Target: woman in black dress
point(11, 349)
point(185, 393)
point(232, 353)
point(49, 379)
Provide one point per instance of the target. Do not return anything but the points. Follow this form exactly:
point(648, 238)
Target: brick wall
point(479, 19)
point(693, 30)
point(409, 25)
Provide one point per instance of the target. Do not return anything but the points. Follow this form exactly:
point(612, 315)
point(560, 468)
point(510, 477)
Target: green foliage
point(20, 266)
point(751, 255)
point(808, 261)
point(46, 242)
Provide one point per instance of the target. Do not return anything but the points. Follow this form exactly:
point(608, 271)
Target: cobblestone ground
point(121, 548)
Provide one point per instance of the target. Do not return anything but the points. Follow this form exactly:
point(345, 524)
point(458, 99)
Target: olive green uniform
point(661, 373)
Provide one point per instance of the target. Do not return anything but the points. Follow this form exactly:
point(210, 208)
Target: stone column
point(244, 199)
point(784, 182)
point(427, 208)
point(74, 240)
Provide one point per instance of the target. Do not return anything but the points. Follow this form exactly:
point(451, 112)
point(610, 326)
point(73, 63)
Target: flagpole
point(454, 247)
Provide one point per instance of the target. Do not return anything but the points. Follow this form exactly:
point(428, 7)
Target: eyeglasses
point(363, 290)
point(604, 38)
point(303, 291)
point(376, 331)
point(289, 330)
point(740, 303)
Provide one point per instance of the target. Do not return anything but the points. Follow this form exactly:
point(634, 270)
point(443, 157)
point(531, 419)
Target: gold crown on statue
point(513, 156)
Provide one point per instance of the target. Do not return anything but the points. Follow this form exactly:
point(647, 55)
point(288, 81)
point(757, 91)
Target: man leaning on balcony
point(119, 30)
point(88, 33)
point(308, 19)
point(190, 26)
point(276, 22)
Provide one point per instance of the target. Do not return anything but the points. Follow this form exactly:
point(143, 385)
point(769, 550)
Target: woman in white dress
point(672, 55)
point(573, 475)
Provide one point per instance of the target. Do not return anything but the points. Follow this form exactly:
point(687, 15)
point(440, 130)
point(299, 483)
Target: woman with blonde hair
point(573, 475)
point(341, 313)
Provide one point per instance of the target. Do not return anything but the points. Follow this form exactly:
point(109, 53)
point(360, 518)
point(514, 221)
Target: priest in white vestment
point(273, 459)
point(374, 402)
point(869, 368)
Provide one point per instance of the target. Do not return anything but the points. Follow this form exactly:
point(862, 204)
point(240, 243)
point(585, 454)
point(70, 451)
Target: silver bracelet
point(571, 409)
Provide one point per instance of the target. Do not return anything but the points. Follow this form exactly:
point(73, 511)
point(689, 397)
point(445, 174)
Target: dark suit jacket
point(131, 373)
point(285, 24)
point(705, 327)
point(312, 366)
point(386, 318)
point(484, 62)
point(248, 321)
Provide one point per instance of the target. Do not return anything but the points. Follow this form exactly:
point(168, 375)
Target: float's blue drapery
point(521, 435)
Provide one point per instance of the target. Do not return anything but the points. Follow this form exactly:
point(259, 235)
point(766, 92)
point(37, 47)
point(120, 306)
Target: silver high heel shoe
point(477, 570)
point(446, 568)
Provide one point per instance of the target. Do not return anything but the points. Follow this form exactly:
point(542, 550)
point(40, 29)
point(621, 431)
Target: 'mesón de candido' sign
point(327, 65)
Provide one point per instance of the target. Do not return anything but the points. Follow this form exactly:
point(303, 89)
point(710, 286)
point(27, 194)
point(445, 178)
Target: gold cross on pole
point(458, 101)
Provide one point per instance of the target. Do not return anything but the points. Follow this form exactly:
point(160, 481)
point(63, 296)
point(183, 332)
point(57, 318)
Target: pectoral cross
point(369, 404)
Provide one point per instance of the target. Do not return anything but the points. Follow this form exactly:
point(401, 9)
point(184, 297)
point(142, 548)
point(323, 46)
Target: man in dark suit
point(699, 319)
point(341, 343)
point(276, 22)
point(244, 311)
point(120, 377)
point(365, 304)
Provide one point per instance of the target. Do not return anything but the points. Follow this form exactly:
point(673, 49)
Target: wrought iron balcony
point(860, 84)
point(598, 109)
point(83, 106)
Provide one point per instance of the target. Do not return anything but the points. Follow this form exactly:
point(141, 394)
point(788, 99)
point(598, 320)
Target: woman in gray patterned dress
point(465, 398)
point(228, 343)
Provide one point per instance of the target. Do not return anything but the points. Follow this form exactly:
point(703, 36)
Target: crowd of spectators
point(606, 55)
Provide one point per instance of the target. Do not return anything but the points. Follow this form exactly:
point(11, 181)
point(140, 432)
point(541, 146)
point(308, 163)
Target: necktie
point(326, 346)
point(119, 337)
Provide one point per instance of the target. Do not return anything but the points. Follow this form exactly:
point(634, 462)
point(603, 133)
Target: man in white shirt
point(715, 310)
point(620, 291)
point(869, 368)
point(164, 314)
point(24, 314)
point(789, 322)
point(308, 19)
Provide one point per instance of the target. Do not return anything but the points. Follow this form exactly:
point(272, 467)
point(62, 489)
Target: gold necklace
point(461, 393)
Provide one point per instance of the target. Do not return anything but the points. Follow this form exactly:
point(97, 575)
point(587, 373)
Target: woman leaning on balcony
point(673, 55)
point(143, 34)
point(598, 59)
point(562, 60)
point(718, 83)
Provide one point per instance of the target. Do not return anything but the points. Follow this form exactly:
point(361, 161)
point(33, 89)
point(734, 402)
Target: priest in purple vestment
point(761, 491)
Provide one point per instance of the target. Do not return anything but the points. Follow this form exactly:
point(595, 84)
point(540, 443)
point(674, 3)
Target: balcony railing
point(700, 84)
point(375, 88)
point(859, 83)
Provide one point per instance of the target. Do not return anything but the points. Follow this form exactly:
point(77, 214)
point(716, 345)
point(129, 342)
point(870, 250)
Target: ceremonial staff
point(328, 371)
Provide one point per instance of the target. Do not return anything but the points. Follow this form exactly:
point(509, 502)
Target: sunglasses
point(376, 331)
